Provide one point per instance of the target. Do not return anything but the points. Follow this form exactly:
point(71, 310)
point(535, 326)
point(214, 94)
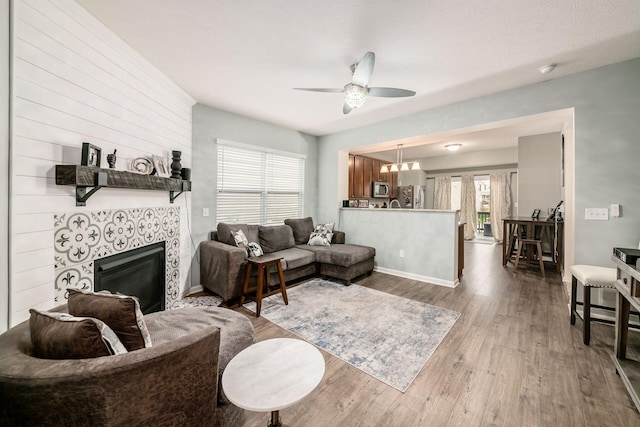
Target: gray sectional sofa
point(223, 264)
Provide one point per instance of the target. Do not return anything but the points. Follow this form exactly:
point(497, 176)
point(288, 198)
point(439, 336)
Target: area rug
point(204, 301)
point(388, 337)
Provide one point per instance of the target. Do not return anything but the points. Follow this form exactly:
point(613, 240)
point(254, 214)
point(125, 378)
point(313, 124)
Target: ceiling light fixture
point(354, 95)
point(453, 147)
point(400, 165)
point(546, 69)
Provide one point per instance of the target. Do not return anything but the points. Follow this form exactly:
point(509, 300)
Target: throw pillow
point(320, 239)
point(302, 229)
point(322, 235)
point(62, 336)
point(241, 239)
point(120, 312)
point(254, 249)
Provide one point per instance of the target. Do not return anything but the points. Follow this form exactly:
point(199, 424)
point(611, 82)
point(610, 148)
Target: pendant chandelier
point(399, 165)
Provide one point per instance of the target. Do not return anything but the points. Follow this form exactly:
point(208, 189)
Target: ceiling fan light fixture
point(384, 169)
point(354, 95)
point(453, 147)
point(415, 166)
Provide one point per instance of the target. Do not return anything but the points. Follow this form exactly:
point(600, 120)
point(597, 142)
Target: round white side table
point(272, 375)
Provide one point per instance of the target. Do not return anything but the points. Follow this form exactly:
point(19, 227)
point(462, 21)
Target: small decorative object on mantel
point(142, 165)
point(186, 174)
point(111, 159)
point(176, 167)
point(90, 155)
point(161, 168)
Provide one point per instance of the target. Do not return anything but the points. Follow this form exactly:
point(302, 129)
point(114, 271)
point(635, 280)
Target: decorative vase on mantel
point(176, 167)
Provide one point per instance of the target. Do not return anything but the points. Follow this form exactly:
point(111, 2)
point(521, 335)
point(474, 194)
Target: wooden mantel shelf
point(91, 176)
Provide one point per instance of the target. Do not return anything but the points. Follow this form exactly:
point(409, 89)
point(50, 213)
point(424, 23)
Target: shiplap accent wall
point(75, 81)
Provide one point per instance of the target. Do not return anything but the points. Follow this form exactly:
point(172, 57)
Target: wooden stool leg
point(539, 248)
point(283, 288)
point(260, 285)
point(574, 291)
point(586, 319)
point(245, 287)
point(515, 267)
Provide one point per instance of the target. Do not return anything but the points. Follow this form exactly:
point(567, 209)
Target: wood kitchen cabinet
point(363, 172)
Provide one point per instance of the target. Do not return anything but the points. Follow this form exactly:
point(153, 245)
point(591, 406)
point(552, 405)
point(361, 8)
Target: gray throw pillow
point(302, 229)
point(225, 232)
point(63, 336)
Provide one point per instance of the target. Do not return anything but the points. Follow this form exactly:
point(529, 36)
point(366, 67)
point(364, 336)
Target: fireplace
point(139, 272)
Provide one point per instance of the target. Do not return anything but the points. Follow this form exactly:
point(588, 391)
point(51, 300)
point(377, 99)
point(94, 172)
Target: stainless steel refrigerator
point(412, 196)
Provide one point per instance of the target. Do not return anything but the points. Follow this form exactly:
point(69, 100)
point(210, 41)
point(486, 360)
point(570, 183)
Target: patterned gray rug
point(388, 337)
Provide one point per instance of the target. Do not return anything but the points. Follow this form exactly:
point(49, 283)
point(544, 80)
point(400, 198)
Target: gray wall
point(210, 124)
point(607, 106)
point(539, 172)
point(4, 164)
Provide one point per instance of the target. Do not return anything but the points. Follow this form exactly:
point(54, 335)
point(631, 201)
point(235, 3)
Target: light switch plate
point(596, 214)
point(205, 211)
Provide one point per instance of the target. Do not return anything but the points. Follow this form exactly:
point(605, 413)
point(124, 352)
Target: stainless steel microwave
point(380, 189)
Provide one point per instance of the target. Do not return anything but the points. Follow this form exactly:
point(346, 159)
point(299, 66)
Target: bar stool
point(529, 260)
point(590, 276)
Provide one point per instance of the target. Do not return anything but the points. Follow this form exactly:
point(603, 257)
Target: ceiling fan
point(355, 93)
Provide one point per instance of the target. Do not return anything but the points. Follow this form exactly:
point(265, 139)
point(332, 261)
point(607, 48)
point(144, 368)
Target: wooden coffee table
point(272, 375)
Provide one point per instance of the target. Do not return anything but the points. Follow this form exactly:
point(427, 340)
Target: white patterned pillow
point(240, 239)
point(254, 249)
point(322, 235)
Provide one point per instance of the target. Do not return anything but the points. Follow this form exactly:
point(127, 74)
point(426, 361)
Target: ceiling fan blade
point(312, 89)
point(390, 92)
point(346, 109)
point(363, 71)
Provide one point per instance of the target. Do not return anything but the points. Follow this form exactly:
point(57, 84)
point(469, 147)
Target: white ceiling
point(245, 56)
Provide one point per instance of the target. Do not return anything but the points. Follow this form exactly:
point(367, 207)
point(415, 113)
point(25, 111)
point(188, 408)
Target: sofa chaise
point(223, 264)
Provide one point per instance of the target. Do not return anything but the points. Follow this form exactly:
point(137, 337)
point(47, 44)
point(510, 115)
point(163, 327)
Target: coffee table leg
point(275, 419)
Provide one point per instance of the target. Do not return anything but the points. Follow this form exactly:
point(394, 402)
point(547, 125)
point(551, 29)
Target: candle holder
point(176, 167)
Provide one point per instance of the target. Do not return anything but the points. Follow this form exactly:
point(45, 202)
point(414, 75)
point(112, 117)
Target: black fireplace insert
point(139, 272)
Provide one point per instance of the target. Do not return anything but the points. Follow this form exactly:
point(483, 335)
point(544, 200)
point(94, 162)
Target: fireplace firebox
point(139, 272)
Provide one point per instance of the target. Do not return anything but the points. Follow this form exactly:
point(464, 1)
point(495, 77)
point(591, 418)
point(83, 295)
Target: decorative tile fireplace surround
point(82, 237)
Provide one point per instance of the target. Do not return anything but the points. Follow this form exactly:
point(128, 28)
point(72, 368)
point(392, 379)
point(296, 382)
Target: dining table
point(550, 232)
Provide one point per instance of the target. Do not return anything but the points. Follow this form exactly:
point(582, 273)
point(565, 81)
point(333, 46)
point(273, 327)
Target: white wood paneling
point(75, 81)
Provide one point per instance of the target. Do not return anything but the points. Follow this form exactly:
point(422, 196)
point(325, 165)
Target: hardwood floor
point(512, 359)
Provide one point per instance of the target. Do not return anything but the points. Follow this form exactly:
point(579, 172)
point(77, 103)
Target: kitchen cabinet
point(363, 172)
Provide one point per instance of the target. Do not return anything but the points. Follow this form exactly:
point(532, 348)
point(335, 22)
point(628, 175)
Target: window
point(257, 185)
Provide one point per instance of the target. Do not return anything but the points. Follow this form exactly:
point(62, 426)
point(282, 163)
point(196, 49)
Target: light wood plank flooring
point(512, 359)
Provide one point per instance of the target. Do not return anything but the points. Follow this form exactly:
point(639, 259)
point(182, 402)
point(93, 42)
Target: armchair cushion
point(120, 312)
point(62, 336)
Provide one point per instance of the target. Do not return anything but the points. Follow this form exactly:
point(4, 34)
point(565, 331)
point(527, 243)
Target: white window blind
point(258, 187)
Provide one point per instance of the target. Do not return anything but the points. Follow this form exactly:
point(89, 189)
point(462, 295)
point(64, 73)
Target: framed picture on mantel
point(90, 155)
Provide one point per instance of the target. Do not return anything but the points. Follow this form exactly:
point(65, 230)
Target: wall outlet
point(596, 214)
point(401, 253)
point(205, 211)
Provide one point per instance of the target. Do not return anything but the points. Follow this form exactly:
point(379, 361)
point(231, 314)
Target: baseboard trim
point(418, 277)
point(193, 290)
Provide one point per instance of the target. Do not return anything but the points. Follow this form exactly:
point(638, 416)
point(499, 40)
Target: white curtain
point(442, 193)
point(500, 205)
point(468, 207)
